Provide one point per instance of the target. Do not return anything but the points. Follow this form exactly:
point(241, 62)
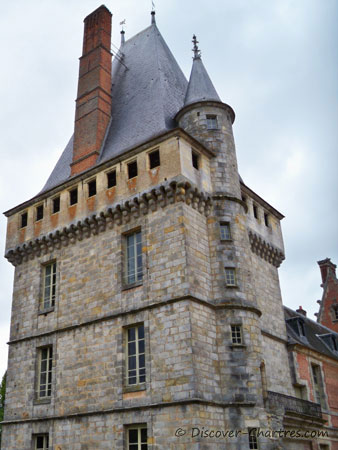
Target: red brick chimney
point(327, 268)
point(93, 103)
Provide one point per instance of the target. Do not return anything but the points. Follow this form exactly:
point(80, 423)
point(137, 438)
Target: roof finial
point(152, 12)
point(122, 31)
point(197, 52)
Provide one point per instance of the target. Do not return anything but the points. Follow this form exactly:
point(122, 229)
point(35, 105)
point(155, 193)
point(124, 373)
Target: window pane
point(133, 434)
point(131, 334)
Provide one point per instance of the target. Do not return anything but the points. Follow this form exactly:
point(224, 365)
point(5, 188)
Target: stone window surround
point(140, 386)
point(39, 211)
point(152, 152)
point(47, 398)
point(316, 363)
point(44, 265)
point(231, 275)
point(46, 441)
point(227, 234)
point(125, 235)
point(237, 334)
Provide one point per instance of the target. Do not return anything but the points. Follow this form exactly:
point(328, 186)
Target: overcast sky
point(274, 61)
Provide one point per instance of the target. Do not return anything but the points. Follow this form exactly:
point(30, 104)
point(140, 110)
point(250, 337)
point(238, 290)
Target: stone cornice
point(266, 251)
point(120, 213)
point(141, 406)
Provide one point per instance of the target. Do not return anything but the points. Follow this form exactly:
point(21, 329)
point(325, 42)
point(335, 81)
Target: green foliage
point(2, 400)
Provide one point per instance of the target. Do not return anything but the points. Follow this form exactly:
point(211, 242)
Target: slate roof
point(148, 89)
point(200, 86)
point(313, 331)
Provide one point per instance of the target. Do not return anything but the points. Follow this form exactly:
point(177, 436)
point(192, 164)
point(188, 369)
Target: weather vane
point(197, 52)
point(123, 23)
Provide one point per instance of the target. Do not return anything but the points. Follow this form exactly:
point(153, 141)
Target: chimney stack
point(93, 103)
point(327, 268)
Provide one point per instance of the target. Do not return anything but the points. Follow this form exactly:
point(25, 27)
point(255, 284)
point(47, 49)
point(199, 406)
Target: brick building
point(146, 274)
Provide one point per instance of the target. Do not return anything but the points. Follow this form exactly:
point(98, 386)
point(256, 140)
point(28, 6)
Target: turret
point(205, 117)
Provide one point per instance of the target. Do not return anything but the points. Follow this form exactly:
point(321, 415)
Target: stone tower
point(146, 304)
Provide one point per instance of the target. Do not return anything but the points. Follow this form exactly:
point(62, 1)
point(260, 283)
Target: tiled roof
point(148, 89)
point(313, 331)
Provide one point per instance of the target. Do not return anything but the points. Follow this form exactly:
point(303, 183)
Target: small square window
point(230, 276)
point(111, 179)
point(236, 334)
point(92, 188)
point(195, 159)
point(132, 169)
point(255, 211)
point(56, 205)
point(253, 442)
point(266, 219)
point(73, 196)
point(212, 122)
point(225, 231)
point(154, 159)
point(41, 442)
point(137, 437)
point(24, 220)
point(39, 212)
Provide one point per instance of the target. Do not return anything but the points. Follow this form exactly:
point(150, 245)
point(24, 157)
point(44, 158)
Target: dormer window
point(212, 122)
point(330, 340)
point(298, 326)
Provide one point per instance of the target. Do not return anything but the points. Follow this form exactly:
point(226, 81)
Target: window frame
point(22, 216)
point(227, 279)
point(91, 184)
point(253, 440)
point(129, 164)
point(140, 371)
point(152, 153)
point(49, 373)
point(139, 428)
point(138, 269)
point(225, 225)
point(236, 334)
point(211, 121)
point(39, 211)
point(318, 385)
point(52, 286)
point(45, 437)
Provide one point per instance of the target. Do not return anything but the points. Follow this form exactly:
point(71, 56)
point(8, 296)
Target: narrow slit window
point(49, 286)
point(255, 211)
point(236, 334)
point(39, 212)
point(92, 188)
point(132, 169)
point(73, 196)
point(212, 122)
point(56, 205)
point(154, 159)
point(45, 373)
point(230, 276)
point(195, 160)
point(24, 220)
point(225, 231)
point(111, 179)
point(136, 369)
point(133, 265)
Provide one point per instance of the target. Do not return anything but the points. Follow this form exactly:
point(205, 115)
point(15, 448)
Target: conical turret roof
point(200, 87)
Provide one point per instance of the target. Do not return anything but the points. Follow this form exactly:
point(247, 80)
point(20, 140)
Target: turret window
point(39, 212)
point(230, 276)
point(111, 179)
point(41, 442)
point(92, 188)
point(56, 205)
point(236, 334)
point(73, 196)
point(212, 122)
point(132, 169)
point(225, 231)
point(24, 220)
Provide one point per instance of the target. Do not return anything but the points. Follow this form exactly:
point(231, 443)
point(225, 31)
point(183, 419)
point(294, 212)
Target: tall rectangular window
point(56, 205)
point(39, 212)
point(195, 160)
point(24, 220)
point(225, 231)
point(137, 437)
point(73, 196)
point(133, 264)
point(49, 285)
point(41, 442)
point(136, 369)
point(236, 334)
point(255, 211)
point(91, 188)
point(318, 385)
point(132, 169)
point(154, 159)
point(253, 442)
point(45, 366)
point(230, 276)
